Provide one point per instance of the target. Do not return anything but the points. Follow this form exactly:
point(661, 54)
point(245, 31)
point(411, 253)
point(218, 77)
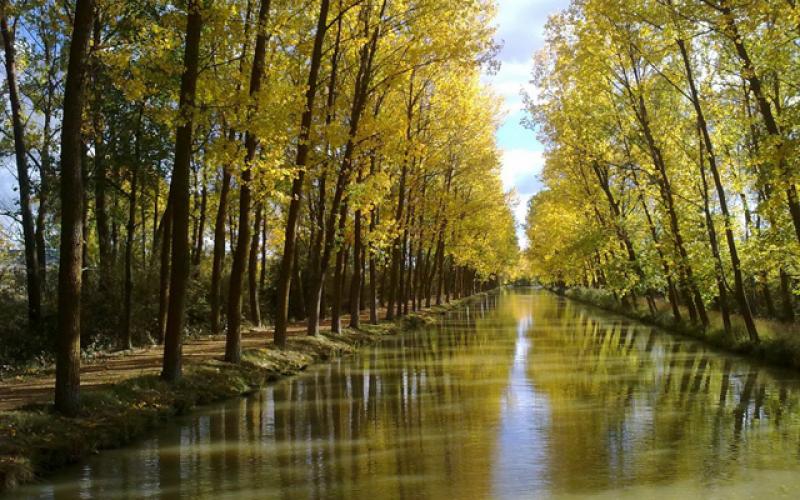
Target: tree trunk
point(164, 270)
point(697, 308)
point(317, 262)
point(45, 172)
point(427, 277)
point(405, 264)
point(179, 269)
point(262, 279)
point(233, 340)
point(143, 216)
point(741, 296)
point(252, 269)
point(126, 342)
point(338, 278)
point(289, 248)
point(114, 235)
point(604, 181)
point(787, 296)
point(156, 229)
point(301, 293)
point(355, 283)
point(361, 90)
point(100, 176)
point(362, 293)
point(396, 249)
point(415, 278)
point(33, 283)
point(447, 283)
point(672, 292)
point(440, 267)
point(219, 249)
point(373, 273)
point(68, 354)
point(712, 239)
point(201, 225)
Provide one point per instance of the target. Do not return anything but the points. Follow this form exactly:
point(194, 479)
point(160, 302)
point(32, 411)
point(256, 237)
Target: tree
point(67, 394)
point(287, 261)
point(233, 350)
point(32, 266)
point(179, 198)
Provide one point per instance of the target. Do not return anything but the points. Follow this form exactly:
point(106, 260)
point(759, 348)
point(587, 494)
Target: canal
point(522, 394)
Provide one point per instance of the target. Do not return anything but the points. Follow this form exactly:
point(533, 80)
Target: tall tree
point(68, 354)
point(303, 147)
point(233, 348)
point(32, 268)
point(179, 197)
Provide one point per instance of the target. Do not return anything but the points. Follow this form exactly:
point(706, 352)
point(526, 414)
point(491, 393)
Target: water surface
point(521, 395)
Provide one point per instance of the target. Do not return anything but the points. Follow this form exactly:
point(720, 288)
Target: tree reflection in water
point(522, 394)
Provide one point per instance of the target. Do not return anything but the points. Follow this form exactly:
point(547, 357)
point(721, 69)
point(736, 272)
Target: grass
point(35, 441)
point(779, 342)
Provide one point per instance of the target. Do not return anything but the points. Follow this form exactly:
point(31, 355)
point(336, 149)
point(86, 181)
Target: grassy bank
point(779, 345)
point(34, 441)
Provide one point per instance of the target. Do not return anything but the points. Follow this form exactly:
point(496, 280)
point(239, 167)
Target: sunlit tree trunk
point(373, 272)
point(712, 239)
point(665, 189)
point(741, 296)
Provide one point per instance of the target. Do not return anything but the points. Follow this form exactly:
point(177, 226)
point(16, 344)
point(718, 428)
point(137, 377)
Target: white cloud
point(520, 24)
point(510, 81)
point(520, 169)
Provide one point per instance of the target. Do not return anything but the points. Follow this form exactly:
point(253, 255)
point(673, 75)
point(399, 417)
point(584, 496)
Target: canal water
point(522, 394)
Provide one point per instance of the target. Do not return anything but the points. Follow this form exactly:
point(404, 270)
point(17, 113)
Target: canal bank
point(34, 441)
point(781, 348)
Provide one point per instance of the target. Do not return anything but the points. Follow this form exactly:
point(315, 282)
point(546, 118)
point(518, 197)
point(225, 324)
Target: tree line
point(223, 161)
point(672, 157)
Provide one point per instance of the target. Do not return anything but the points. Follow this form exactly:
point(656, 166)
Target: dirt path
point(19, 391)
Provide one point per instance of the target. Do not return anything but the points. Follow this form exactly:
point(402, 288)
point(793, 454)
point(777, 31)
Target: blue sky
point(520, 25)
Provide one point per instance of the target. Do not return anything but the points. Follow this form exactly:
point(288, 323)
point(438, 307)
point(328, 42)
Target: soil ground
point(37, 388)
